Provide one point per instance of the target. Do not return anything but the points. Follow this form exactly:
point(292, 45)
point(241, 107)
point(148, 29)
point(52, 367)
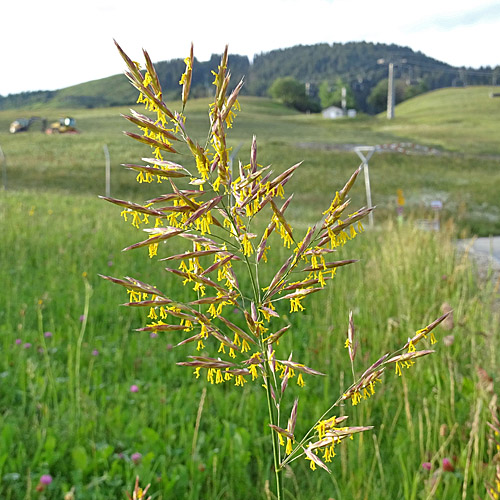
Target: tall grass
point(66, 407)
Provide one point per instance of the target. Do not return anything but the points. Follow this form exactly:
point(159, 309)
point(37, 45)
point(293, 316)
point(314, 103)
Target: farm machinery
point(66, 125)
point(23, 124)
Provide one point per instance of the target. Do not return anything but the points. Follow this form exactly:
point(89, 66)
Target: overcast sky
point(51, 44)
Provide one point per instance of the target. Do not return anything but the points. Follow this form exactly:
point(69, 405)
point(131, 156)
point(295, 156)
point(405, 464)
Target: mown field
point(461, 124)
point(83, 393)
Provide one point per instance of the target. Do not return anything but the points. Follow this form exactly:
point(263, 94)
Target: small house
point(333, 112)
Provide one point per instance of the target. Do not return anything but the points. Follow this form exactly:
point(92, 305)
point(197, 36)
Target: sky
point(52, 44)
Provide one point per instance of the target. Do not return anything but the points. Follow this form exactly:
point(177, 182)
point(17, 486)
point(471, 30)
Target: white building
point(333, 112)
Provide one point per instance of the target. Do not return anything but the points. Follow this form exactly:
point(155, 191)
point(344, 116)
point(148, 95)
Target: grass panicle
point(224, 224)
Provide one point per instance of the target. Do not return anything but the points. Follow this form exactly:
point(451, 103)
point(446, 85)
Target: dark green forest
point(361, 67)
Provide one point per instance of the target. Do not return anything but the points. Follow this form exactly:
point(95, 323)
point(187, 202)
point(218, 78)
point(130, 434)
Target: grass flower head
point(211, 211)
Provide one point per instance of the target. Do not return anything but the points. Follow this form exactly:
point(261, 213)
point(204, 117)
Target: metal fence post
point(3, 160)
point(365, 153)
point(108, 170)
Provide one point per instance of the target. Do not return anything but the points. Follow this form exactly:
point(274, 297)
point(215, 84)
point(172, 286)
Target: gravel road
point(485, 249)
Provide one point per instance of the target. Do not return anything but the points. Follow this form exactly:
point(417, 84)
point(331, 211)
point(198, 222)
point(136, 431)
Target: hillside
point(455, 119)
point(358, 64)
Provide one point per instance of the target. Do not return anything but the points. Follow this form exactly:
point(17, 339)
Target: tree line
point(306, 77)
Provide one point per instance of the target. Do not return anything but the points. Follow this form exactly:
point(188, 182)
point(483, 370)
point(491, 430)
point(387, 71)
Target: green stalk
point(276, 445)
point(50, 373)
point(88, 293)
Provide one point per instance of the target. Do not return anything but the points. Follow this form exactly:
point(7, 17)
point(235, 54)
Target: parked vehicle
point(65, 125)
point(23, 124)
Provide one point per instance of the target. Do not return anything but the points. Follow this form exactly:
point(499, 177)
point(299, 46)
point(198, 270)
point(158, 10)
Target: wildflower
point(95, 352)
point(426, 466)
point(27, 345)
point(447, 465)
point(134, 388)
point(136, 457)
point(19, 341)
point(46, 479)
point(82, 317)
point(47, 335)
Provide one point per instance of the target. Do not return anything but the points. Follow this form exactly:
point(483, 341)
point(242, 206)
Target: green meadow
point(83, 393)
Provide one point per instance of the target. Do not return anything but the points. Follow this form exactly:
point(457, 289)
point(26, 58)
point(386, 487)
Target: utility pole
point(463, 76)
point(391, 89)
point(391, 93)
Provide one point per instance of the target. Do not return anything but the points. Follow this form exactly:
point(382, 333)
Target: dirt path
point(486, 254)
point(484, 249)
point(408, 148)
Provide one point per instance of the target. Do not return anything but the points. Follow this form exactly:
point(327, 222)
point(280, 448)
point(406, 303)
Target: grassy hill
point(112, 91)
point(357, 64)
point(464, 120)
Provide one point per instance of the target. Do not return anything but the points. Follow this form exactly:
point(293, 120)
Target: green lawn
point(464, 182)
